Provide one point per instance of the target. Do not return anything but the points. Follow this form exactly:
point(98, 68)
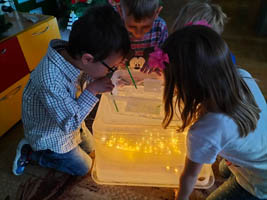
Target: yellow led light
point(174, 141)
point(152, 143)
point(161, 145)
point(121, 140)
point(103, 139)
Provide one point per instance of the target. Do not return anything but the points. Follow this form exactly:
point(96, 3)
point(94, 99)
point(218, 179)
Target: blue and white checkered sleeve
point(164, 33)
point(67, 111)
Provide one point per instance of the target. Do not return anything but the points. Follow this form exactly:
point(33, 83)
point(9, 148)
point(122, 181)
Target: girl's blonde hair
point(197, 10)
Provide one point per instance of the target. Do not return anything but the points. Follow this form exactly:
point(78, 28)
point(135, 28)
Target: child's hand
point(147, 69)
point(122, 65)
point(100, 86)
point(122, 82)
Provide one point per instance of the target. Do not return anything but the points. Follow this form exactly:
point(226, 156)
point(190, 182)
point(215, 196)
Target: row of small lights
point(156, 144)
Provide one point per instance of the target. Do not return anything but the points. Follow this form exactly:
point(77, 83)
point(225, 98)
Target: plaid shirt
point(155, 37)
point(51, 114)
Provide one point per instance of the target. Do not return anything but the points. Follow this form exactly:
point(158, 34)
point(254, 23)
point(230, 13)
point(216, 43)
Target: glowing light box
point(131, 147)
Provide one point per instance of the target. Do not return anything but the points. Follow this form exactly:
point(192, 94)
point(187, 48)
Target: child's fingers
point(106, 88)
point(143, 68)
point(122, 83)
point(150, 71)
point(106, 80)
point(158, 71)
point(108, 85)
point(101, 85)
point(109, 88)
point(121, 66)
point(146, 69)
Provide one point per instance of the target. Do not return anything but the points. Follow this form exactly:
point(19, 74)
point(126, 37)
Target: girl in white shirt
point(223, 108)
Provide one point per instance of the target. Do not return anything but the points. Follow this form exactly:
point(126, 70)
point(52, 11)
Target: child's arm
point(68, 111)
point(62, 106)
point(188, 179)
point(163, 36)
point(100, 86)
point(164, 33)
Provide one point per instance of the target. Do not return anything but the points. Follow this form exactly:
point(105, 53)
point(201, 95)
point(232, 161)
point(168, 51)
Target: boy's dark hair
point(140, 9)
point(201, 78)
point(100, 32)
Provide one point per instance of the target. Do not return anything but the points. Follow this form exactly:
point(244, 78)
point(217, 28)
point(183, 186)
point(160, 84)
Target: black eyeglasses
point(111, 70)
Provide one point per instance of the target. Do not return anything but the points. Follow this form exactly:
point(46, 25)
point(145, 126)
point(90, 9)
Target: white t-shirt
point(217, 134)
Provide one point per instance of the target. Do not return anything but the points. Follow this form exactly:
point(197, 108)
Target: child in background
point(223, 108)
point(52, 115)
point(197, 10)
point(147, 30)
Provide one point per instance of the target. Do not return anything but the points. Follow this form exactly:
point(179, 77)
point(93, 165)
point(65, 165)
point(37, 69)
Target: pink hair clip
point(202, 22)
point(157, 58)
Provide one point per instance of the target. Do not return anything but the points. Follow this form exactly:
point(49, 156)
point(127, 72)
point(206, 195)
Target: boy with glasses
point(52, 115)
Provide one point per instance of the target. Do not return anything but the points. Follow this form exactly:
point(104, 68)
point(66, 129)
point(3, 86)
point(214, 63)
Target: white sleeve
point(204, 141)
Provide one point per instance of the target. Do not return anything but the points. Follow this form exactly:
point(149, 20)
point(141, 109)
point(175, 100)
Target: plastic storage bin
point(142, 106)
point(131, 147)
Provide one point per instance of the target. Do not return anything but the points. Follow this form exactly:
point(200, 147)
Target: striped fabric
point(51, 113)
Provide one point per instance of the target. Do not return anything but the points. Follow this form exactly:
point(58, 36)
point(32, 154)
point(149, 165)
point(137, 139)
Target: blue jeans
point(75, 162)
point(230, 189)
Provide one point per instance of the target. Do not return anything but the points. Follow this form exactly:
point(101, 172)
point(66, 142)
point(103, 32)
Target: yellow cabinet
point(21, 49)
point(10, 104)
point(34, 42)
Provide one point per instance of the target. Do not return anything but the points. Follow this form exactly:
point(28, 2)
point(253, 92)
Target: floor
point(39, 183)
